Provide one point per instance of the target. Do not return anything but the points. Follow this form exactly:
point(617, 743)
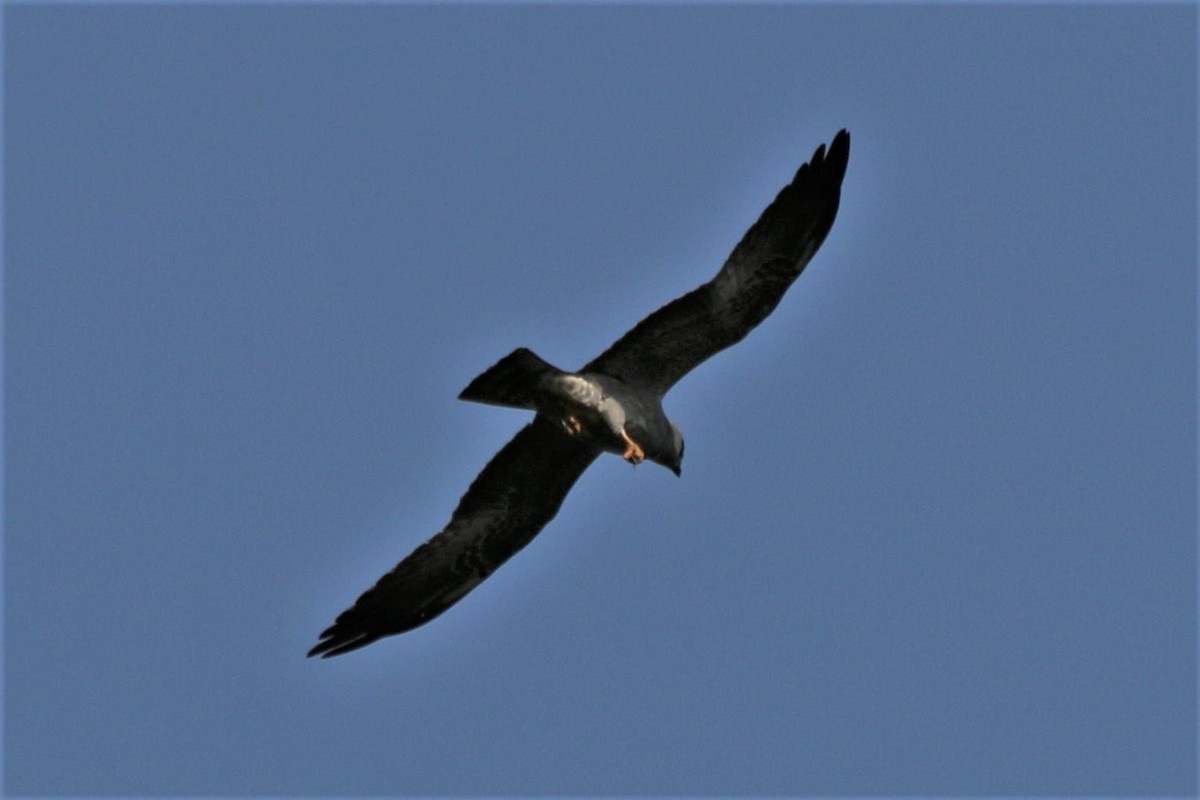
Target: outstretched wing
point(518, 492)
point(672, 341)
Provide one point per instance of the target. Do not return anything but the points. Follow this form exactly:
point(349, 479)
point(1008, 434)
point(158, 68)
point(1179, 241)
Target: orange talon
point(633, 453)
point(573, 425)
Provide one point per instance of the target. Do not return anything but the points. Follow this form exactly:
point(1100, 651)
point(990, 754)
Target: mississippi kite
point(613, 404)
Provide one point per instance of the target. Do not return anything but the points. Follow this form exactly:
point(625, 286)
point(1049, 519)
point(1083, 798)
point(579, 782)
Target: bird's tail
point(512, 381)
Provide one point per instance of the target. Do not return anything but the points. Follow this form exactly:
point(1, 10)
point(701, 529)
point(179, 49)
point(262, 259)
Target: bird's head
point(673, 459)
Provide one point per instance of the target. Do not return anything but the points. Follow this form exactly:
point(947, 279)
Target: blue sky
point(936, 527)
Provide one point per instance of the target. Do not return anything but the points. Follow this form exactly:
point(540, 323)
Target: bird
point(613, 404)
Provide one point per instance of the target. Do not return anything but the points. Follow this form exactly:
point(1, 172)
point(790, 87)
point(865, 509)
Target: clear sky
point(936, 526)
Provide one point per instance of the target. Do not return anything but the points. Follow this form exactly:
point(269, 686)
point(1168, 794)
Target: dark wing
point(518, 492)
point(672, 341)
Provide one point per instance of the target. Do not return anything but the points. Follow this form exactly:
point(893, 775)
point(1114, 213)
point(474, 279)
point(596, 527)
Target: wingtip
point(339, 638)
point(838, 152)
point(828, 162)
point(322, 647)
point(333, 644)
point(839, 148)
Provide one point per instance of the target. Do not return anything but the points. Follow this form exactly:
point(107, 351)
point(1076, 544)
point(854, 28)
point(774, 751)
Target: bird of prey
point(613, 404)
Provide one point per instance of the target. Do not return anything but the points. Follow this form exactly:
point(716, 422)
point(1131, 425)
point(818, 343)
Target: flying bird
point(613, 404)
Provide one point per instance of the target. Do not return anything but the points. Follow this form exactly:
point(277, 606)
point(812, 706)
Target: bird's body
point(613, 404)
point(600, 409)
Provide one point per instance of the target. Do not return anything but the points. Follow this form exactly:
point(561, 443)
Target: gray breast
point(590, 399)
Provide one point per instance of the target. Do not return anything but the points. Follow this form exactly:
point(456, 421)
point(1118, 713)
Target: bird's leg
point(573, 425)
point(633, 453)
